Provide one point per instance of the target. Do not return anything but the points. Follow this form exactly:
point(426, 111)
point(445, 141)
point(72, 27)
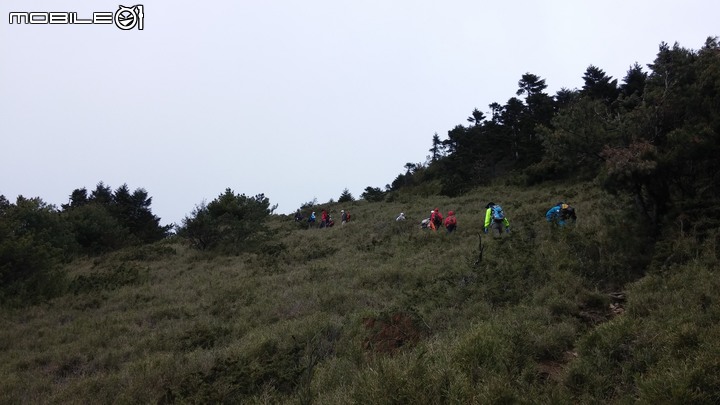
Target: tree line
point(655, 135)
point(37, 238)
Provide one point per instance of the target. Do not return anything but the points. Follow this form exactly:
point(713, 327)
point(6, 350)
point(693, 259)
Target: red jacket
point(450, 220)
point(437, 217)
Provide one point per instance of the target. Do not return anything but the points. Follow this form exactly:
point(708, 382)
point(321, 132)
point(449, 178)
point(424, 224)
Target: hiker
point(298, 216)
point(343, 217)
point(495, 219)
point(425, 223)
point(311, 219)
point(324, 219)
point(330, 222)
point(450, 222)
point(436, 219)
point(561, 214)
point(400, 217)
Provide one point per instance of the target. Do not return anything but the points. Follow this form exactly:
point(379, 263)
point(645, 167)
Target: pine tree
point(346, 196)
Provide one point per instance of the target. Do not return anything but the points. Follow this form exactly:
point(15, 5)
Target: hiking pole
point(480, 249)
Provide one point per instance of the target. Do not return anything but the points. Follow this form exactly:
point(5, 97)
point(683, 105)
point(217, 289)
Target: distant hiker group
point(435, 221)
point(495, 219)
point(326, 221)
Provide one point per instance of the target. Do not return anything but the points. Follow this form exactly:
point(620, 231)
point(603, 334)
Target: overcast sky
point(294, 99)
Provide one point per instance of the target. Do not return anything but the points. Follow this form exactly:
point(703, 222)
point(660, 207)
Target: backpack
point(451, 221)
point(497, 213)
point(567, 213)
point(437, 220)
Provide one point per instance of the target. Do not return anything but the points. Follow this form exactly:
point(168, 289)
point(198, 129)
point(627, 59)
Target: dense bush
point(105, 220)
point(37, 238)
point(232, 222)
point(373, 194)
point(34, 241)
point(97, 230)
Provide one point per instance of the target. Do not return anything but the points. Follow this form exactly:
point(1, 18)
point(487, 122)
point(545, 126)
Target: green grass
point(383, 312)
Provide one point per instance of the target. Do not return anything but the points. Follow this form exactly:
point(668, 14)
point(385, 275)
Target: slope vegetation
point(378, 311)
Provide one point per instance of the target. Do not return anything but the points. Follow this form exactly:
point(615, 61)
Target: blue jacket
point(553, 213)
point(556, 214)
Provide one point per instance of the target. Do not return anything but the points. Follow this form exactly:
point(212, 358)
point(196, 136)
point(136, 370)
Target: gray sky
point(293, 99)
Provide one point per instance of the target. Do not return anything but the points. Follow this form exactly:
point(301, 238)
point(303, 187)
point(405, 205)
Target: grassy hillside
point(382, 312)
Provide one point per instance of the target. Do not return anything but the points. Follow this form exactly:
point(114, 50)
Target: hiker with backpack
point(311, 219)
point(561, 214)
point(343, 217)
point(450, 221)
point(298, 216)
point(436, 219)
point(324, 219)
point(495, 219)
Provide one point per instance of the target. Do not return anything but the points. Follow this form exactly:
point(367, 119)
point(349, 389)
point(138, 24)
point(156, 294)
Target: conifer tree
point(346, 196)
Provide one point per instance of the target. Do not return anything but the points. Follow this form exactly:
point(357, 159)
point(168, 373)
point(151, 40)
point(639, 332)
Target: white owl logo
point(126, 18)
